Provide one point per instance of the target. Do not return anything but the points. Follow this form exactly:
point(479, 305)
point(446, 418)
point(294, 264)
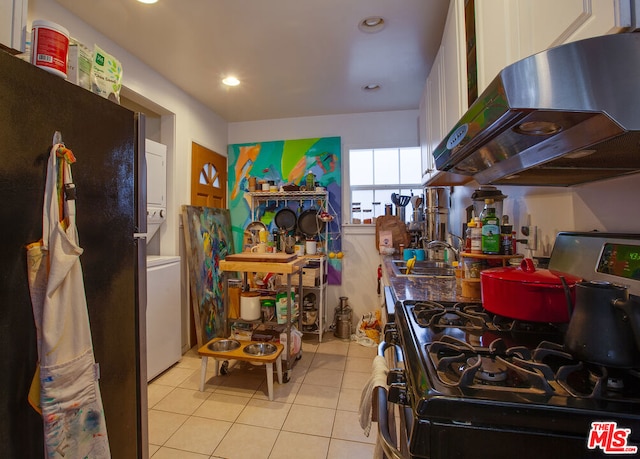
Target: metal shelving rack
point(322, 198)
point(289, 269)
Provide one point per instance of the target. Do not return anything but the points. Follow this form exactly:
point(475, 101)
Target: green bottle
point(311, 181)
point(490, 229)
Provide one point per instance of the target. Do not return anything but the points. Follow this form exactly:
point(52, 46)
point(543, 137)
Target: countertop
point(419, 288)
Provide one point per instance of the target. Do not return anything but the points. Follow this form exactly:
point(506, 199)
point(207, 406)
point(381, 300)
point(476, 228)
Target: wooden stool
point(239, 354)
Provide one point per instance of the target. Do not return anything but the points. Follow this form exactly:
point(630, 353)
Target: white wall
point(610, 205)
point(191, 121)
point(365, 130)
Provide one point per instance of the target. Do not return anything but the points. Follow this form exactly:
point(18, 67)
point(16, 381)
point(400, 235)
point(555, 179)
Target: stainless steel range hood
point(566, 116)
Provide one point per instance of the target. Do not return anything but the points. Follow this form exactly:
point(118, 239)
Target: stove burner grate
point(496, 368)
point(489, 370)
point(466, 316)
point(586, 380)
point(547, 369)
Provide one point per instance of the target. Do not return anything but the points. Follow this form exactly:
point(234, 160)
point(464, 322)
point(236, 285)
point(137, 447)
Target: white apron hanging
point(72, 412)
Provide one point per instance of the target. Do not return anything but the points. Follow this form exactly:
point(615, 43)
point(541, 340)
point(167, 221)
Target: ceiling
point(294, 57)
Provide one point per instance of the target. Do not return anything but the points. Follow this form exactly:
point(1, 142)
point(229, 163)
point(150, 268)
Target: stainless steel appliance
point(109, 174)
point(437, 220)
point(475, 384)
point(561, 117)
point(487, 192)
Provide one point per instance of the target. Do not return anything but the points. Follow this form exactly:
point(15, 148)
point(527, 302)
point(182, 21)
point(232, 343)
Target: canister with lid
point(250, 308)
point(49, 47)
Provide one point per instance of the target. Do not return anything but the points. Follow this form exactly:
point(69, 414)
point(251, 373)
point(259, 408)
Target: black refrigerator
point(108, 143)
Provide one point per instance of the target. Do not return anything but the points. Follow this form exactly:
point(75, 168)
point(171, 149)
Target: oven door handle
point(390, 451)
point(384, 345)
point(381, 407)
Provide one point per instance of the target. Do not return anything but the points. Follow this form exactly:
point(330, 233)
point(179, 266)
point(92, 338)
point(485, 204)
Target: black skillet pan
point(309, 224)
point(285, 219)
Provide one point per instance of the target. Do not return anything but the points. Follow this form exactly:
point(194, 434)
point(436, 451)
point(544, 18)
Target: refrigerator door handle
point(141, 182)
point(141, 243)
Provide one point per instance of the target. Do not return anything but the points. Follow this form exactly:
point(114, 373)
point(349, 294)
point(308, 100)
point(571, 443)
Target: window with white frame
point(376, 173)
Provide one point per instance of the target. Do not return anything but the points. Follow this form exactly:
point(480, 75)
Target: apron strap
point(59, 192)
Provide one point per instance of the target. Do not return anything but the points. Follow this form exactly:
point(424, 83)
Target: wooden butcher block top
point(281, 263)
point(278, 257)
point(398, 230)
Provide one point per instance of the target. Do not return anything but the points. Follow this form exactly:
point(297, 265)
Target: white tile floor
point(314, 415)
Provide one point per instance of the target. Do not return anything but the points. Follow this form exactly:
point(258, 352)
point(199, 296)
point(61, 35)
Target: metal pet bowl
point(260, 349)
point(224, 345)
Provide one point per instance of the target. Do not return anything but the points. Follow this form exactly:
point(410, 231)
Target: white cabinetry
point(445, 95)
point(547, 23)
point(505, 32)
point(13, 24)
point(425, 148)
point(510, 30)
point(453, 75)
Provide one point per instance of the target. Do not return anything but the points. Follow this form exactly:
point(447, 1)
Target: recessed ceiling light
point(371, 24)
point(231, 81)
point(371, 87)
point(149, 2)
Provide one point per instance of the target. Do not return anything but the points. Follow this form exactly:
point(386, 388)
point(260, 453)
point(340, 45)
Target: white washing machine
point(164, 341)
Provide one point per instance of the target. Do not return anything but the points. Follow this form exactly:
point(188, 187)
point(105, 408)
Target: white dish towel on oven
point(378, 379)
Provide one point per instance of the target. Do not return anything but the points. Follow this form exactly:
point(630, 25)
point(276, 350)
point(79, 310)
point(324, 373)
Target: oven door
point(394, 420)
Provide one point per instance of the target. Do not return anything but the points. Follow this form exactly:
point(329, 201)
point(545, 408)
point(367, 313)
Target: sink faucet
point(445, 245)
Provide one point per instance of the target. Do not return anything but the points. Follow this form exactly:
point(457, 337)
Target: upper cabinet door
point(548, 23)
point(454, 67)
point(445, 94)
point(13, 24)
point(510, 30)
point(425, 145)
point(497, 42)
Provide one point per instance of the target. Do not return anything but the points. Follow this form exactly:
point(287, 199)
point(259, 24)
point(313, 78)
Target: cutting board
point(398, 230)
point(262, 257)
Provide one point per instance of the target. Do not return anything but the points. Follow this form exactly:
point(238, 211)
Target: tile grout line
point(311, 355)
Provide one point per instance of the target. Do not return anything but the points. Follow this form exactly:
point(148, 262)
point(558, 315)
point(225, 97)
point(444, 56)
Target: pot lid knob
point(528, 266)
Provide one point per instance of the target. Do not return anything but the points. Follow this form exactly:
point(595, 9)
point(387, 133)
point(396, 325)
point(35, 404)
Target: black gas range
point(480, 385)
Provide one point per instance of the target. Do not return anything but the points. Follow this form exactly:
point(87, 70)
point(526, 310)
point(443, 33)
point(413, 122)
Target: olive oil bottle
point(490, 229)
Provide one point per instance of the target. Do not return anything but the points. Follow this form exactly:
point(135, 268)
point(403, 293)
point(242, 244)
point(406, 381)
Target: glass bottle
point(375, 210)
point(490, 229)
point(311, 181)
point(506, 244)
point(356, 218)
point(366, 216)
point(476, 235)
point(467, 236)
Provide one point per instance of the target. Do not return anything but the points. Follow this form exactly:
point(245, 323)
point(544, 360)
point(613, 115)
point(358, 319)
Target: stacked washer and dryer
point(164, 343)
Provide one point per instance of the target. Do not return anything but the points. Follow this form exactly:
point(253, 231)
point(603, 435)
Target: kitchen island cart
point(289, 265)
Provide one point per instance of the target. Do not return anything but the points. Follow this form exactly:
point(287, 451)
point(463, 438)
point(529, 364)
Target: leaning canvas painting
point(208, 240)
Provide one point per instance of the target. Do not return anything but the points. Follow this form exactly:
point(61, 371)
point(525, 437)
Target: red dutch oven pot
point(526, 293)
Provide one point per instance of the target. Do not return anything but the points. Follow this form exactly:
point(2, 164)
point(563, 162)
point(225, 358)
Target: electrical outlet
point(531, 232)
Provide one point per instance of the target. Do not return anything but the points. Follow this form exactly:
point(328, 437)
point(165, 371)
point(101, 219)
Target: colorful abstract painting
point(208, 240)
point(287, 162)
